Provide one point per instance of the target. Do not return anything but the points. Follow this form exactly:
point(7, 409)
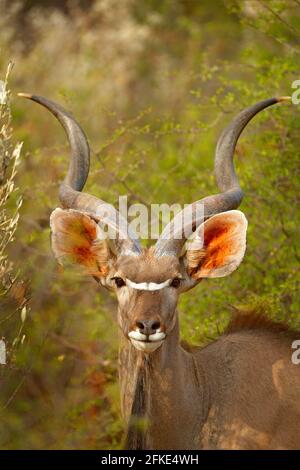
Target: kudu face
point(147, 289)
point(147, 282)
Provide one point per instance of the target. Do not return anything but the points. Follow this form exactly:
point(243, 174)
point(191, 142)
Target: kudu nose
point(148, 327)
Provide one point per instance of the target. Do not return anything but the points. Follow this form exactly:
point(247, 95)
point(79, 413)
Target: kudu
point(241, 391)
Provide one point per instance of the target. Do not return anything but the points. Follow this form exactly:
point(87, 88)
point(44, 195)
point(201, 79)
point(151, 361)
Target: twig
point(282, 20)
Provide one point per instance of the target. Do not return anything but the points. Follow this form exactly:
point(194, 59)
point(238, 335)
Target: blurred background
point(153, 83)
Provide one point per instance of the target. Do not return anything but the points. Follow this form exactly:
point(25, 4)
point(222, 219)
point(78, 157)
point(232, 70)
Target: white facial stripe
point(148, 285)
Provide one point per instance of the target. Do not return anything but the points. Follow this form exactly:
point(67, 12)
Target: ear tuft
point(224, 246)
point(76, 237)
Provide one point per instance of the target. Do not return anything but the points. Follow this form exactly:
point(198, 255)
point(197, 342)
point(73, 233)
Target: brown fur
point(251, 320)
point(136, 435)
point(241, 391)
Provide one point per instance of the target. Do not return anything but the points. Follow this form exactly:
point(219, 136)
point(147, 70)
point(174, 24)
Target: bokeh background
point(153, 83)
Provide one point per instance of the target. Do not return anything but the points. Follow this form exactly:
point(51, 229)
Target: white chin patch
point(137, 335)
point(147, 347)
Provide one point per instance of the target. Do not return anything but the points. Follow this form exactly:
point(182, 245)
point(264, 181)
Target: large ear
point(223, 245)
point(77, 237)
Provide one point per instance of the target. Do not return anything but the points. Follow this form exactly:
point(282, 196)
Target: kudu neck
point(156, 392)
point(132, 363)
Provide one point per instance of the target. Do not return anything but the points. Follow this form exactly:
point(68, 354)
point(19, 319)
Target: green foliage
point(153, 83)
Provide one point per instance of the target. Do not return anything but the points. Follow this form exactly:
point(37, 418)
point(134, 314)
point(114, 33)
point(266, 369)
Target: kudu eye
point(175, 282)
point(119, 281)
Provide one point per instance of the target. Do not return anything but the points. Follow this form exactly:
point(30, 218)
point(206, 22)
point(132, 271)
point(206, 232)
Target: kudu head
point(148, 282)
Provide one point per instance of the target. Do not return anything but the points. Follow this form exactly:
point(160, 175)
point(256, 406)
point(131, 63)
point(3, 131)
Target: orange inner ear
point(84, 234)
point(74, 235)
point(218, 246)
